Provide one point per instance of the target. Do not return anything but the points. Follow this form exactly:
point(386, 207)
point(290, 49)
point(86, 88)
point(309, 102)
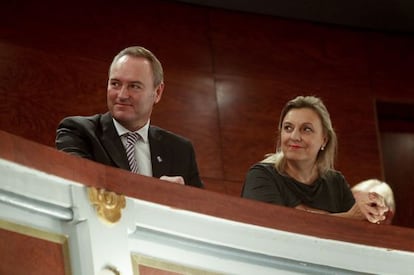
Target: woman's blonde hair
point(326, 156)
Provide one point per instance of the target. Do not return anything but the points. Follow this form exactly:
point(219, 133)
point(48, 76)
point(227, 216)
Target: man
point(135, 85)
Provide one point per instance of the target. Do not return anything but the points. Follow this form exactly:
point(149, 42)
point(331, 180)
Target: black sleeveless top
point(330, 192)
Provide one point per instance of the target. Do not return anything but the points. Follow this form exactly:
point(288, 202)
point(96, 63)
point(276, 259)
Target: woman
point(301, 173)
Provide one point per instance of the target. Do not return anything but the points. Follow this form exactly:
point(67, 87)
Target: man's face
point(131, 94)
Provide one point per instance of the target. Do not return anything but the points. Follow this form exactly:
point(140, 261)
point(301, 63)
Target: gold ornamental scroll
point(108, 205)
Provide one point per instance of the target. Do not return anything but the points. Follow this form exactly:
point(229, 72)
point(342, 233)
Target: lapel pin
point(159, 159)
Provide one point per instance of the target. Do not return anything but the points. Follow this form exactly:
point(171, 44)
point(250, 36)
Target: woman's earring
point(322, 148)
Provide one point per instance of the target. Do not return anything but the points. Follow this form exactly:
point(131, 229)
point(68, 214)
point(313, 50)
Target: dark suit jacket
point(96, 138)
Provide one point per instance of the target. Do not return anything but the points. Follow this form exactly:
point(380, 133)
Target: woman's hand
point(371, 205)
point(368, 206)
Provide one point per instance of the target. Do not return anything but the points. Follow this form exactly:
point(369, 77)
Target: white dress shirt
point(142, 148)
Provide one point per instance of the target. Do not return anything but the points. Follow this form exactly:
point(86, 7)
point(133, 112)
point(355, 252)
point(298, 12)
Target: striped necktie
point(132, 138)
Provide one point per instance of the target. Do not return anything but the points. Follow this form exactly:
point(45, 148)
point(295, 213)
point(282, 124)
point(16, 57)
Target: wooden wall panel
point(249, 111)
point(265, 48)
point(39, 89)
point(176, 33)
point(399, 148)
point(22, 253)
point(189, 108)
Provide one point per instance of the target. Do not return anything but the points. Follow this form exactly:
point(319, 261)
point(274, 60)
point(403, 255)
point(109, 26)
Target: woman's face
point(302, 135)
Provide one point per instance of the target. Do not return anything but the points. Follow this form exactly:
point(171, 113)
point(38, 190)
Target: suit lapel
point(112, 142)
point(159, 153)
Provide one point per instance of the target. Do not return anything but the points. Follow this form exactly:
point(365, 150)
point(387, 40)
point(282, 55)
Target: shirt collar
point(143, 131)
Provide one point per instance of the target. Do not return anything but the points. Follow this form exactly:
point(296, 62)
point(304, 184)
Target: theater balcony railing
point(61, 214)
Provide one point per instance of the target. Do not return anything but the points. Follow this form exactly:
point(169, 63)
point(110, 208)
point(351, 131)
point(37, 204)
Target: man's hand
point(177, 179)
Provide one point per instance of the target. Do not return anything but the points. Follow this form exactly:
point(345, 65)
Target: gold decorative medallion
point(108, 204)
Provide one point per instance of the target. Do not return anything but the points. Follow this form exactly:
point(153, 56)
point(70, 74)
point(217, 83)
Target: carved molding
point(108, 204)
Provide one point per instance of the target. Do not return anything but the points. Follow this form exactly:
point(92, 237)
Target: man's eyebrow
point(129, 82)
point(136, 82)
